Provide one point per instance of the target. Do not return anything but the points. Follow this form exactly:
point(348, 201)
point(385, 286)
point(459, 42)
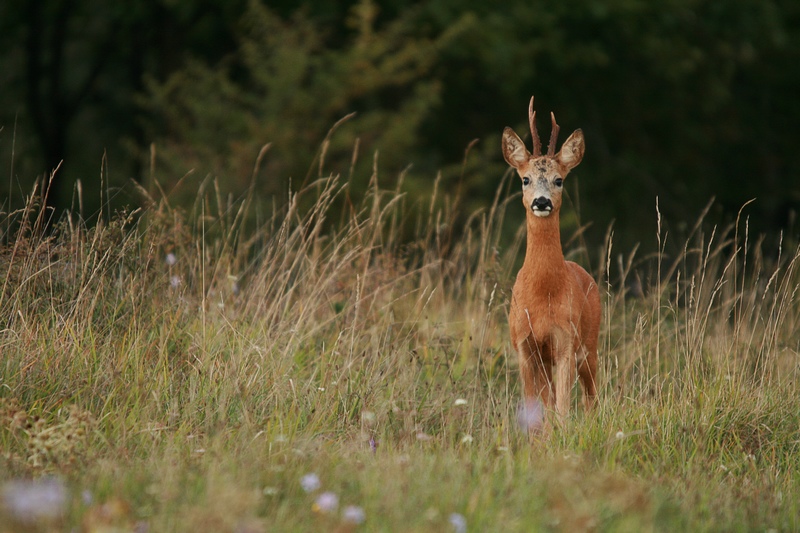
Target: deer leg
point(526, 372)
point(587, 372)
point(565, 373)
point(535, 371)
point(546, 362)
point(537, 394)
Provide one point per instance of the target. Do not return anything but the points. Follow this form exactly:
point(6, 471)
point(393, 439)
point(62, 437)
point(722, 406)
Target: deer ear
point(572, 151)
point(514, 150)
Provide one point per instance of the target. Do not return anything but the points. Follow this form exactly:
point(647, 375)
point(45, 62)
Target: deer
point(554, 313)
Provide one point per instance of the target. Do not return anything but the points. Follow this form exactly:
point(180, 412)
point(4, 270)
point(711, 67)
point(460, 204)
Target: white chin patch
point(540, 213)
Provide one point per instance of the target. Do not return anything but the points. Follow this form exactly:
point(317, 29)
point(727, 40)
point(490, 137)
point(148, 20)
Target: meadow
point(221, 368)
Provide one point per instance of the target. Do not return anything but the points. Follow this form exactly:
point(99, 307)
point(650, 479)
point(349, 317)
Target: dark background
point(684, 100)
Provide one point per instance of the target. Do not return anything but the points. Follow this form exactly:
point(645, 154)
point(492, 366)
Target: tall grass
point(182, 371)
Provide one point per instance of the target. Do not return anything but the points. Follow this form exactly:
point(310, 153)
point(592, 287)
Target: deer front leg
point(537, 388)
point(565, 373)
point(534, 367)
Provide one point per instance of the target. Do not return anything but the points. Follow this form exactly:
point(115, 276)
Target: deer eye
point(526, 182)
point(559, 182)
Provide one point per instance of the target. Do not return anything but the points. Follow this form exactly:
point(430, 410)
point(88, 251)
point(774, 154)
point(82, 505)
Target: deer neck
point(544, 258)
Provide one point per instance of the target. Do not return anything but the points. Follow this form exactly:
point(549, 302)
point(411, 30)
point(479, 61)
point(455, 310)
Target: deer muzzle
point(542, 206)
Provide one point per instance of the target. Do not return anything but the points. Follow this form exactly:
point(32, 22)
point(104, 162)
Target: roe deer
point(554, 318)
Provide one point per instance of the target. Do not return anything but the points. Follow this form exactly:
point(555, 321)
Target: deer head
point(542, 175)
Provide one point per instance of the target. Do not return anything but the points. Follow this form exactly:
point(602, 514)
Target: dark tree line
point(71, 75)
point(683, 100)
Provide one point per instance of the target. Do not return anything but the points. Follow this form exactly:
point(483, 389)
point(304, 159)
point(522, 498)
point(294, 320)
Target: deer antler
point(537, 144)
point(551, 146)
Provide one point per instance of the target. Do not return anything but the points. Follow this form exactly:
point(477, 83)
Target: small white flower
point(354, 514)
point(327, 502)
point(458, 522)
point(175, 281)
point(461, 401)
point(466, 439)
point(530, 415)
point(235, 288)
point(620, 435)
point(171, 259)
point(31, 501)
point(310, 482)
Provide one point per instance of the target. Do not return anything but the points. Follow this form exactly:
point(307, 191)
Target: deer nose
point(542, 204)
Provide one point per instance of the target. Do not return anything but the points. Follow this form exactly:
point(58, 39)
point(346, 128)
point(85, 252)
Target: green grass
point(194, 396)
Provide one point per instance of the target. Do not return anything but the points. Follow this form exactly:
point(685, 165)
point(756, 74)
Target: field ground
point(222, 370)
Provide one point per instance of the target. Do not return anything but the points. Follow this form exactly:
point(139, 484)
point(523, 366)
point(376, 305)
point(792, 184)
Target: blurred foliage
point(287, 87)
point(684, 100)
